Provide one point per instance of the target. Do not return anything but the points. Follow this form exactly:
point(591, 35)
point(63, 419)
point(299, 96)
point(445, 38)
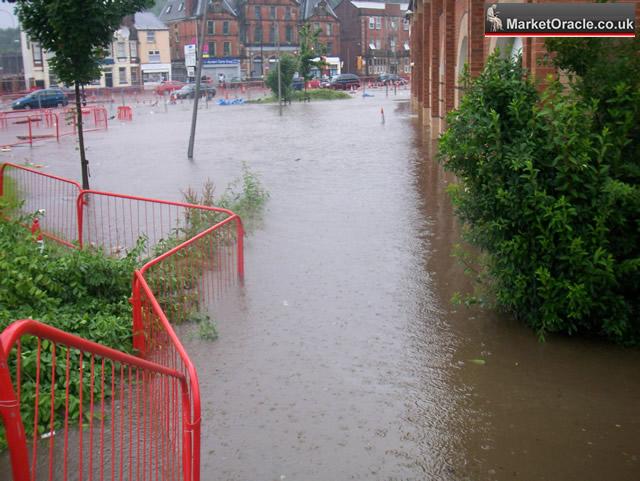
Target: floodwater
point(342, 357)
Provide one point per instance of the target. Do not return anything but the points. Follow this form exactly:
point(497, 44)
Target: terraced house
point(243, 37)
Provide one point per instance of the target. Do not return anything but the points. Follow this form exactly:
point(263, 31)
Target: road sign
point(191, 71)
point(190, 55)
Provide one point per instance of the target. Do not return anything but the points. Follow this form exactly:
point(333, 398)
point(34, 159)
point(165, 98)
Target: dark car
point(345, 81)
point(189, 91)
point(391, 79)
point(297, 83)
point(44, 98)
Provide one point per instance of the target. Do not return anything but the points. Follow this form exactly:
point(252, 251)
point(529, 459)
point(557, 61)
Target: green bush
point(81, 292)
point(541, 192)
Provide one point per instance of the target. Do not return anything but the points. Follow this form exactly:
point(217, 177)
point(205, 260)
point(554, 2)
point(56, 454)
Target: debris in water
point(479, 362)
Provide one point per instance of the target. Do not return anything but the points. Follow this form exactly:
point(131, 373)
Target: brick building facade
point(446, 35)
point(375, 37)
point(243, 37)
point(223, 50)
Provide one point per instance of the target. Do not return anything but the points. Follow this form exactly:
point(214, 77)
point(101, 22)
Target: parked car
point(345, 81)
point(44, 98)
point(297, 83)
point(168, 86)
point(313, 84)
point(189, 91)
point(391, 79)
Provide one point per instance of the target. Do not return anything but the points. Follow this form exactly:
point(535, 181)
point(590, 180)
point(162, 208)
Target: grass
point(299, 95)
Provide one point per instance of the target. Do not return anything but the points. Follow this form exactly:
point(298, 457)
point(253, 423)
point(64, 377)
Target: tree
point(288, 66)
point(310, 49)
point(77, 34)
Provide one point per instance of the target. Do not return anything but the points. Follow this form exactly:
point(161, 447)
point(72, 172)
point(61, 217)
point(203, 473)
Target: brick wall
point(437, 29)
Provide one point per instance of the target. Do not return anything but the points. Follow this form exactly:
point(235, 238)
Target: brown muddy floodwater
point(342, 357)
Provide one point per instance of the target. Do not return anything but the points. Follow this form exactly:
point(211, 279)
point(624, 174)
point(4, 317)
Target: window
point(316, 26)
point(225, 28)
point(329, 48)
point(257, 36)
point(272, 33)
point(393, 24)
point(211, 27)
point(329, 29)
point(37, 53)
point(405, 24)
point(134, 76)
point(180, 9)
point(212, 49)
point(272, 13)
point(120, 50)
point(372, 23)
point(377, 44)
point(289, 33)
point(151, 36)
point(154, 56)
point(378, 23)
point(392, 44)
point(257, 12)
point(133, 48)
point(287, 13)
point(227, 49)
point(168, 10)
point(122, 75)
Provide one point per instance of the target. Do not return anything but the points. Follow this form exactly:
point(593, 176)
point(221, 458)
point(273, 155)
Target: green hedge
point(548, 189)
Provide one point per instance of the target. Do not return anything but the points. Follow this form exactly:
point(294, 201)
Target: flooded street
point(342, 357)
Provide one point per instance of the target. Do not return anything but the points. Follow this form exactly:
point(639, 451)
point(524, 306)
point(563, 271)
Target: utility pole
point(277, 32)
point(194, 115)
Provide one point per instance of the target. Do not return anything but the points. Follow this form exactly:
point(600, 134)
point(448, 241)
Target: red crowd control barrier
point(25, 127)
point(55, 197)
point(125, 113)
point(144, 412)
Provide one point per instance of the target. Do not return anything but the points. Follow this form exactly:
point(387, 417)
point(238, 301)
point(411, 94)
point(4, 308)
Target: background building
point(375, 37)
point(139, 55)
point(153, 49)
point(222, 37)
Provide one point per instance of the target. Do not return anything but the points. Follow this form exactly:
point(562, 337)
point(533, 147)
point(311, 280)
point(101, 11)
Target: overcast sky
point(7, 19)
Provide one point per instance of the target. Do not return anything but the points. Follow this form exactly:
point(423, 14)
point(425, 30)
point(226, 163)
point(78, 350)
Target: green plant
point(538, 194)
point(82, 292)
point(288, 66)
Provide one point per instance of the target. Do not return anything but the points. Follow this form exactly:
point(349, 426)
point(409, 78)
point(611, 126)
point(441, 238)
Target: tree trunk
point(84, 163)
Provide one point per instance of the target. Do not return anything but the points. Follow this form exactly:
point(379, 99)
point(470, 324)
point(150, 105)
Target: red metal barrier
point(39, 191)
point(196, 252)
point(133, 415)
point(125, 113)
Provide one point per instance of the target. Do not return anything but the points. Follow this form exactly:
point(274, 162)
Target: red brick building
point(323, 18)
point(375, 37)
point(243, 37)
point(223, 49)
point(269, 26)
point(446, 35)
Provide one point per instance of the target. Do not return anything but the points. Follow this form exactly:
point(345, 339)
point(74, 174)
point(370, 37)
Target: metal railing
point(26, 127)
point(193, 254)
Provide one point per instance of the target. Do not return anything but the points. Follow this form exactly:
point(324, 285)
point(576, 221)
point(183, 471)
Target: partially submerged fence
point(140, 416)
point(29, 126)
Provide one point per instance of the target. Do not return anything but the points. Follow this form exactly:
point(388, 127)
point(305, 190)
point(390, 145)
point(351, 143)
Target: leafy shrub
point(288, 67)
point(81, 292)
point(538, 193)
